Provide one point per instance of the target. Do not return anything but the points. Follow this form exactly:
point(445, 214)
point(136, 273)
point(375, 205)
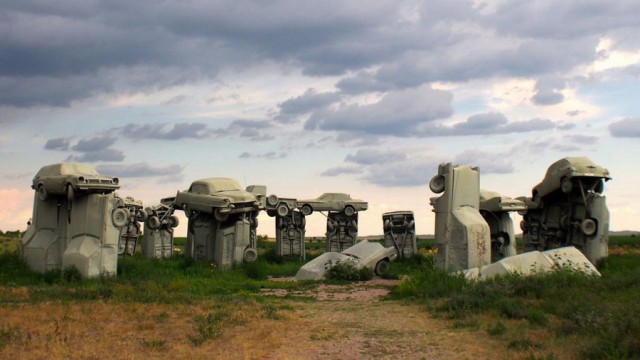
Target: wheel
point(255, 221)
point(153, 222)
point(174, 221)
point(588, 227)
point(382, 267)
point(43, 194)
point(330, 226)
point(282, 210)
point(218, 215)
point(271, 213)
point(303, 222)
point(411, 224)
point(387, 225)
point(306, 209)
point(70, 193)
point(279, 222)
point(120, 217)
point(142, 215)
point(354, 225)
point(250, 255)
point(599, 187)
point(523, 225)
point(566, 185)
point(349, 210)
point(272, 200)
point(187, 211)
point(437, 184)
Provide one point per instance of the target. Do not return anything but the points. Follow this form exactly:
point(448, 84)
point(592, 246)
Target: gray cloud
point(271, 155)
point(254, 130)
point(61, 144)
point(53, 55)
point(628, 127)
point(372, 156)
point(397, 113)
point(107, 155)
point(582, 139)
point(340, 170)
point(158, 131)
point(309, 101)
point(490, 123)
point(94, 144)
point(141, 169)
point(489, 163)
point(548, 91)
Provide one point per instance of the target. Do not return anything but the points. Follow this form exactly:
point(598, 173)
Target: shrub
point(347, 270)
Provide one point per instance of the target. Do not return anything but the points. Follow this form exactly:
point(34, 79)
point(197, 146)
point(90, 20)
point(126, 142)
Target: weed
point(347, 270)
point(524, 344)
point(498, 328)
point(270, 312)
point(7, 335)
point(153, 344)
point(207, 328)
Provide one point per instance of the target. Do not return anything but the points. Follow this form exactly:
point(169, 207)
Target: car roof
point(219, 184)
point(76, 169)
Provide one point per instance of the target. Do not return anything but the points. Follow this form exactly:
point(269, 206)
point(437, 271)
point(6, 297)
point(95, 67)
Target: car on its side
point(332, 202)
point(364, 254)
point(70, 178)
point(220, 196)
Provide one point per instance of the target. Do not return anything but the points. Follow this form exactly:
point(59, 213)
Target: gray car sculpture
point(220, 196)
point(69, 178)
point(332, 202)
point(570, 172)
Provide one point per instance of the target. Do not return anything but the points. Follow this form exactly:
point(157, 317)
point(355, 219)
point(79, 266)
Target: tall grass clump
point(347, 270)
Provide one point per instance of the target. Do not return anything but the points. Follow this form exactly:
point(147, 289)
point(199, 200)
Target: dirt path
point(327, 322)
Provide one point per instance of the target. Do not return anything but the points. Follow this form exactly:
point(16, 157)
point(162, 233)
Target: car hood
point(237, 196)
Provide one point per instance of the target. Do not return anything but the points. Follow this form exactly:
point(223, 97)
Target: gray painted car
point(69, 178)
point(570, 172)
point(332, 202)
point(220, 196)
point(363, 254)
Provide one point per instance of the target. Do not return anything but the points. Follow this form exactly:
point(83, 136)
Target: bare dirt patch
point(351, 321)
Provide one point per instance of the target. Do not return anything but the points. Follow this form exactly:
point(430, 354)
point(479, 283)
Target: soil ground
point(326, 322)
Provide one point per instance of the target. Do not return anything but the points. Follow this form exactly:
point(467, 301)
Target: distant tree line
point(15, 233)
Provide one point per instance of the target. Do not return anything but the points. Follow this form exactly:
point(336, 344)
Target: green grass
point(604, 311)
point(139, 279)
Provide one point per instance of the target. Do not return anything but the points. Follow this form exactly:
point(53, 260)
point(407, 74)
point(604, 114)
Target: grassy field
point(558, 315)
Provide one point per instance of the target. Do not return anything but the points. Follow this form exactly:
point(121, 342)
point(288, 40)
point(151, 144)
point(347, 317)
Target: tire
point(153, 222)
point(349, 210)
point(282, 210)
point(588, 227)
point(279, 222)
point(271, 213)
point(411, 224)
point(142, 215)
point(218, 215)
point(70, 193)
point(303, 222)
point(187, 211)
point(255, 221)
point(382, 267)
point(250, 255)
point(272, 200)
point(119, 217)
point(306, 210)
point(437, 184)
point(43, 194)
point(523, 225)
point(387, 225)
point(174, 221)
point(566, 185)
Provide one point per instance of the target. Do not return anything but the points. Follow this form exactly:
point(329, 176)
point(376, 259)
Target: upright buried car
point(568, 208)
point(332, 202)
point(220, 196)
point(69, 178)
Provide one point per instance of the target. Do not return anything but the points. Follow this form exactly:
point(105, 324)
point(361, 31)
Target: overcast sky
point(309, 97)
